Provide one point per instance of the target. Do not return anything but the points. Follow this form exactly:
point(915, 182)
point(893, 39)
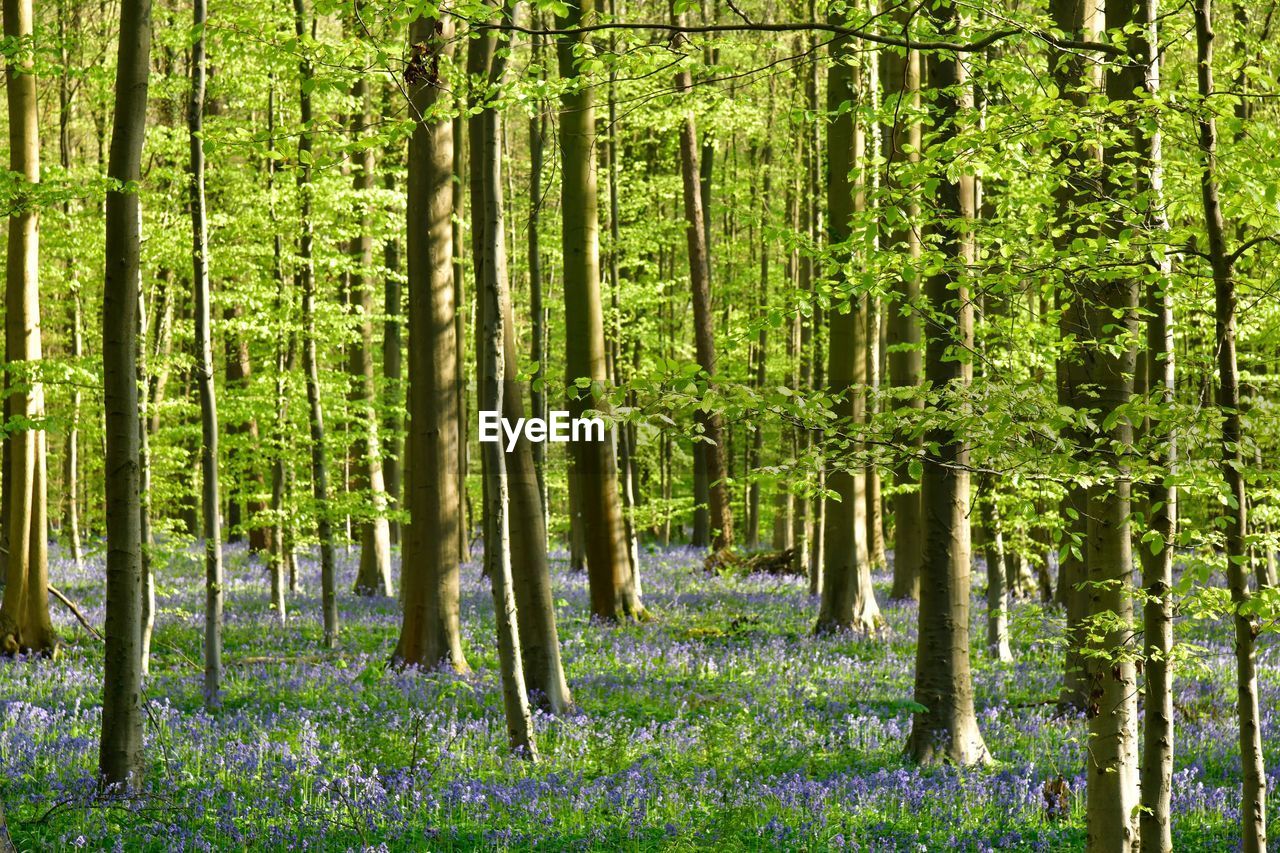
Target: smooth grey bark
point(374, 574)
point(612, 582)
point(848, 599)
point(430, 635)
point(306, 280)
point(1155, 822)
point(713, 435)
point(210, 495)
point(1253, 807)
point(120, 759)
point(24, 614)
point(493, 299)
point(947, 727)
point(525, 536)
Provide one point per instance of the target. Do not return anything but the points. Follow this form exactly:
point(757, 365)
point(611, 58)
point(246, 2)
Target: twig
point(80, 617)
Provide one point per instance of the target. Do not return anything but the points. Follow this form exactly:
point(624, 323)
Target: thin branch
point(975, 46)
point(75, 611)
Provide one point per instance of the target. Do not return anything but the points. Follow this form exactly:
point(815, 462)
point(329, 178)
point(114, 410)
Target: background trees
point(832, 247)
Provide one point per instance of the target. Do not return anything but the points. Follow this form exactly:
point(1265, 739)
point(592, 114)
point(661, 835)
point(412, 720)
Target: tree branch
point(850, 32)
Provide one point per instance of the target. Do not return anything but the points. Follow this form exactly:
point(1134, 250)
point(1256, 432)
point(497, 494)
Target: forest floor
point(721, 725)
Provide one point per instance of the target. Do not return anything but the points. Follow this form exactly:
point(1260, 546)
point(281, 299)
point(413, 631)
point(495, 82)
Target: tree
point(374, 575)
point(525, 534)
point(211, 498)
point(24, 613)
point(595, 472)
point(120, 756)
point(709, 419)
point(306, 280)
point(489, 58)
point(430, 634)
point(848, 600)
point(1253, 808)
point(1162, 497)
point(900, 211)
point(946, 727)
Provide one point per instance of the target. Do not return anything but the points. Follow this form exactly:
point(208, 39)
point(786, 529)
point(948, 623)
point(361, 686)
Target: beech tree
point(430, 634)
point(24, 613)
point(120, 756)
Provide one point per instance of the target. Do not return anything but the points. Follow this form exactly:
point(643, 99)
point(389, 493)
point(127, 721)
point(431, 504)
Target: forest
point(928, 353)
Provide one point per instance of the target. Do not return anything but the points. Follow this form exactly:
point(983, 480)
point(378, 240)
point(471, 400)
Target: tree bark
point(524, 536)
point(1109, 362)
point(1253, 807)
point(1077, 187)
point(1155, 821)
point(120, 754)
point(374, 574)
point(24, 614)
point(997, 589)
point(848, 600)
point(494, 299)
point(947, 727)
point(306, 281)
point(613, 592)
point(713, 434)
point(210, 497)
point(430, 635)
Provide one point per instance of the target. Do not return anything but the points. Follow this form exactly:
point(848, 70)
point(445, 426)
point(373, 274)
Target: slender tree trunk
point(613, 592)
point(538, 342)
point(947, 727)
point(210, 497)
point(282, 567)
point(71, 455)
point(310, 365)
point(392, 373)
point(120, 754)
point(1162, 498)
point(1253, 807)
point(713, 434)
point(24, 614)
point(760, 374)
point(431, 635)
point(848, 600)
point(147, 415)
point(997, 590)
point(465, 516)
point(374, 575)
point(522, 532)
point(494, 301)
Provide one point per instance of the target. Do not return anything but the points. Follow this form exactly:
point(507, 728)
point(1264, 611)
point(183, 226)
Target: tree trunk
point(1077, 187)
point(374, 575)
point(848, 600)
point(900, 81)
point(210, 497)
point(281, 542)
point(538, 341)
point(613, 593)
point(947, 727)
point(712, 433)
point(120, 753)
point(1109, 361)
point(71, 456)
point(24, 614)
point(522, 533)
point(430, 635)
point(1157, 562)
point(997, 590)
point(305, 275)
point(494, 301)
point(1253, 807)
point(392, 373)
